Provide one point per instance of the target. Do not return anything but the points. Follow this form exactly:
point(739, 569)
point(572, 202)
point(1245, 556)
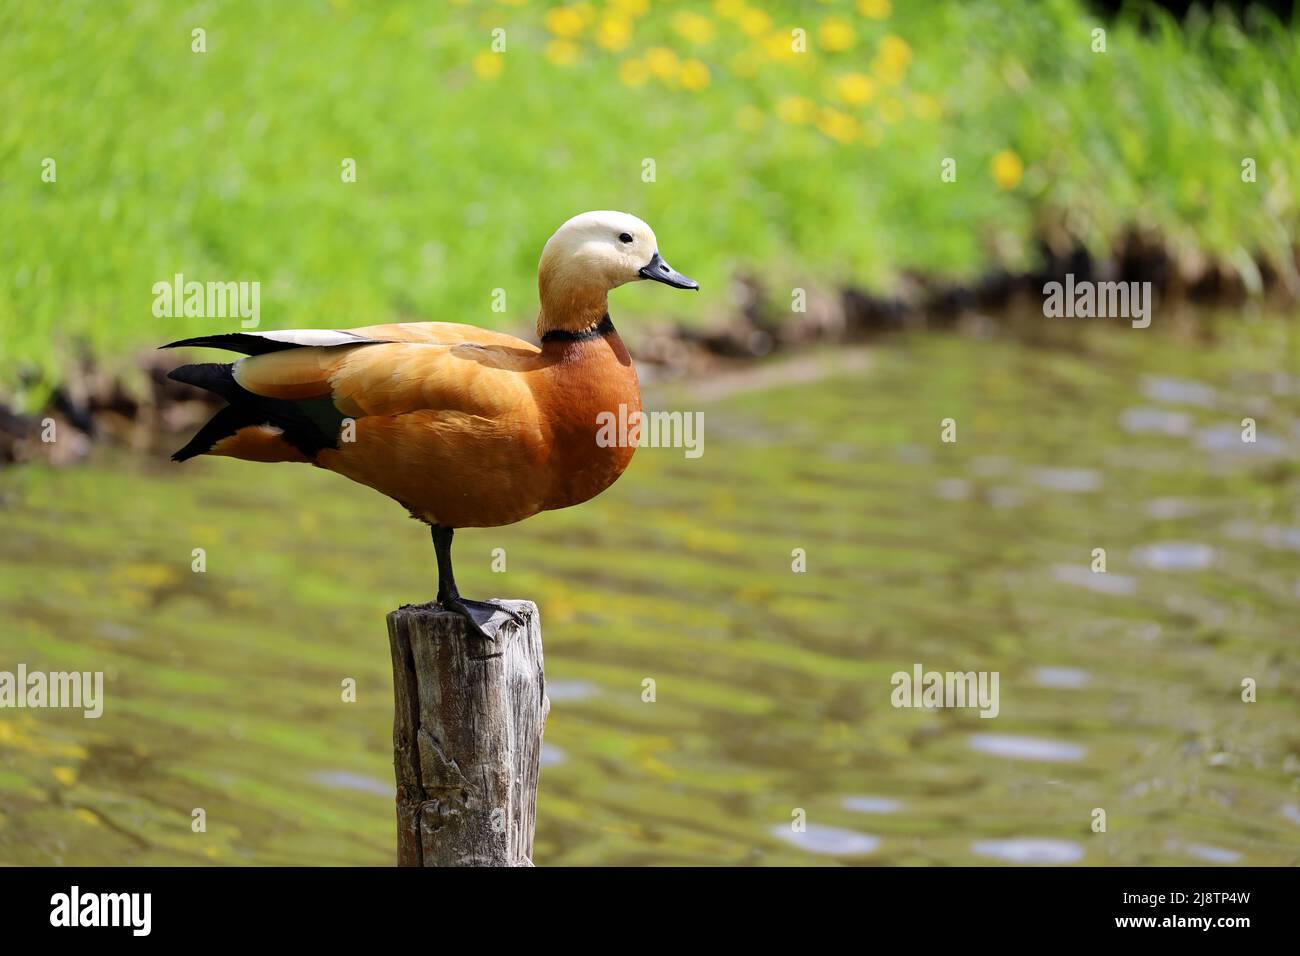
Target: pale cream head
point(591, 254)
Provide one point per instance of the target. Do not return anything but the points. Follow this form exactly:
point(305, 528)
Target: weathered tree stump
point(468, 716)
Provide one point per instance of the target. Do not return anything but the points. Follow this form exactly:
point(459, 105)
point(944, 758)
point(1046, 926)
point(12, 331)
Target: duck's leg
point(484, 618)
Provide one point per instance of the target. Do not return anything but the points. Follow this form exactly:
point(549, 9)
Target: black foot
point(484, 617)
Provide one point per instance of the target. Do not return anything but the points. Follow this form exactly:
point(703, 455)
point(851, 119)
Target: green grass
point(226, 165)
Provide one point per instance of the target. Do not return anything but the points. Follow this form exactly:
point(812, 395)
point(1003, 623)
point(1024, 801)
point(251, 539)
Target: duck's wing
point(429, 333)
point(440, 333)
point(394, 378)
point(302, 384)
point(259, 343)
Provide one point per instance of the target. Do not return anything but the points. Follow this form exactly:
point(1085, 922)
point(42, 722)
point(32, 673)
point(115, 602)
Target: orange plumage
point(466, 428)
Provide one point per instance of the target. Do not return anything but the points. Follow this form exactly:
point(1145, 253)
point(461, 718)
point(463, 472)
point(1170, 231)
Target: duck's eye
point(625, 238)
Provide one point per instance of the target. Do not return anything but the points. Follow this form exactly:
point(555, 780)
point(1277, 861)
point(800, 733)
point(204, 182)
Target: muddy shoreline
point(152, 410)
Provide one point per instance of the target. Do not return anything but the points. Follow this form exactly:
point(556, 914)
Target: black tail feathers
point(304, 425)
point(221, 425)
point(211, 376)
point(247, 344)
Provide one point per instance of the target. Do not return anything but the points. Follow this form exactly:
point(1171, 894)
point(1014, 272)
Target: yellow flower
point(693, 27)
point(780, 46)
point(613, 33)
point(694, 75)
point(65, 775)
point(564, 21)
point(662, 62)
point(148, 575)
point(488, 65)
point(744, 64)
point(837, 125)
point(891, 62)
point(562, 52)
point(730, 9)
point(796, 109)
point(894, 51)
point(874, 9)
point(855, 88)
point(886, 74)
point(1007, 169)
point(926, 107)
point(755, 22)
point(835, 34)
point(631, 8)
point(633, 72)
point(749, 119)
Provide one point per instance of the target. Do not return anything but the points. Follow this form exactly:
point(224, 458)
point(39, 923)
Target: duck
point(464, 427)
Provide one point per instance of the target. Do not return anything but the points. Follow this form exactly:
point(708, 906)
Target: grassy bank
point(821, 166)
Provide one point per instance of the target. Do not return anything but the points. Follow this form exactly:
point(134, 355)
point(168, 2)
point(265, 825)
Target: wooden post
point(468, 716)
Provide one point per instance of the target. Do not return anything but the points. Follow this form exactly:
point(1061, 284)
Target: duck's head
point(591, 254)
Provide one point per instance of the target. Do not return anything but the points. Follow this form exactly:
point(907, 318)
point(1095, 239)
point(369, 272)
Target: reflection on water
point(1210, 854)
point(1084, 577)
point(1175, 556)
point(1067, 479)
point(1120, 690)
point(353, 781)
point(552, 756)
point(830, 841)
point(1161, 421)
point(564, 691)
point(1026, 850)
point(1061, 677)
point(1178, 391)
point(1026, 748)
point(872, 804)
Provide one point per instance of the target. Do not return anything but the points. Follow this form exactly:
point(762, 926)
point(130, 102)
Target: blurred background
point(784, 153)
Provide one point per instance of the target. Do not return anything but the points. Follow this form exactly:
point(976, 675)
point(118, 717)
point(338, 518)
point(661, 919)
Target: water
point(1119, 691)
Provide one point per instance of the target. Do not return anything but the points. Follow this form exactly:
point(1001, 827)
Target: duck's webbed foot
point(483, 617)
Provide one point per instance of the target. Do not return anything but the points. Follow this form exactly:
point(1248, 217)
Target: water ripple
point(1159, 421)
point(566, 690)
point(871, 804)
point(828, 841)
point(1067, 479)
point(1212, 854)
point(1061, 677)
point(1102, 582)
point(1029, 850)
point(1178, 391)
point(346, 780)
point(1027, 748)
point(1175, 556)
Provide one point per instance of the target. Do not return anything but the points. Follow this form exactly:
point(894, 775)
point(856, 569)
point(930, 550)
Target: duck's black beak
point(661, 271)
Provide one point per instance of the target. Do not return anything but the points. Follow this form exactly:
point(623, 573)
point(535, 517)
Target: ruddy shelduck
point(462, 426)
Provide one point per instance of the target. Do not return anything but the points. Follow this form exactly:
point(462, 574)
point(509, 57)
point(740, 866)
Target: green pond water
point(1120, 691)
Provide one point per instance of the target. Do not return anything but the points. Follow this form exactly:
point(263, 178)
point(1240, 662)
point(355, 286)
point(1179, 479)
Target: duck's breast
point(593, 402)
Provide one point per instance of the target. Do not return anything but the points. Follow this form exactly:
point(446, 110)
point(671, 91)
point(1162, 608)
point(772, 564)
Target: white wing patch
point(310, 338)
